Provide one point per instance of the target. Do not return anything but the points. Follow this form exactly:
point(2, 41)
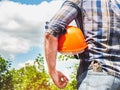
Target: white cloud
point(30, 62)
point(11, 44)
point(22, 26)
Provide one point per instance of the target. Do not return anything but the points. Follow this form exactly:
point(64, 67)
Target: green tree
point(5, 75)
point(31, 77)
point(65, 57)
point(4, 65)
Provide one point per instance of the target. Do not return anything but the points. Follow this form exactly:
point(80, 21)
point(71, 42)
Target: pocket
point(91, 72)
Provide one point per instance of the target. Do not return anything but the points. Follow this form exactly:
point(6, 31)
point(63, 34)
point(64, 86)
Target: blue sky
point(22, 28)
point(34, 51)
point(30, 1)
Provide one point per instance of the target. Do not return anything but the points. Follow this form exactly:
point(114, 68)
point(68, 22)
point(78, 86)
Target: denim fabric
point(91, 80)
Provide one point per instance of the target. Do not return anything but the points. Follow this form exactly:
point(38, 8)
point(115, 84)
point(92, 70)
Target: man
point(100, 68)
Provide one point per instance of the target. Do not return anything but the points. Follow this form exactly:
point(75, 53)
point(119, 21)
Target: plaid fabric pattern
point(101, 22)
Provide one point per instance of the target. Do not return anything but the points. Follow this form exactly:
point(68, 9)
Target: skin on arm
point(50, 46)
point(58, 22)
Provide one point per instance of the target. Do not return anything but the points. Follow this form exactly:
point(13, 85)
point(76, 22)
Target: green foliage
point(65, 57)
point(4, 65)
point(40, 63)
point(5, 75)
point(31, 77)
point(72, 83)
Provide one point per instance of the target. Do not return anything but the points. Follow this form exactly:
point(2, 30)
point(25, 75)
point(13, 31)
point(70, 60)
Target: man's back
point(102, 30)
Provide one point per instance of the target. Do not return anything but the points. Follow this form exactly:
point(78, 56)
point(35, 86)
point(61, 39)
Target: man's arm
point(51, 51)
point(56, 27)
point(51, 45)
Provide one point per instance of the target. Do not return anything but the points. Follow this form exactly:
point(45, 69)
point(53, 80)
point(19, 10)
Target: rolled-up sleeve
point(62, 18)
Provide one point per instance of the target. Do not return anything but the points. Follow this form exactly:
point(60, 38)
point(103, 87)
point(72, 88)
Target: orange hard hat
point(72, 42)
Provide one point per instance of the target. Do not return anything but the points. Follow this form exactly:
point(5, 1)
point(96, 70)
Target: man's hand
point(59, 79)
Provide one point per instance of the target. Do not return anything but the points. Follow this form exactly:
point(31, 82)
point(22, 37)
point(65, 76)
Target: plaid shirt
point(101, 22)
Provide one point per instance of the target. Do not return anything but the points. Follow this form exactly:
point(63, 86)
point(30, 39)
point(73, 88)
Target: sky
point(30, 1)
point(22, 30)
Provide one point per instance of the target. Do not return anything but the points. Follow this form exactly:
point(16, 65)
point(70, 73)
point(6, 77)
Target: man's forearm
point(51, 45)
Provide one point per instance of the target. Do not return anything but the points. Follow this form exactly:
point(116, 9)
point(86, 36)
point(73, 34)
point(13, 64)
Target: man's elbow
point(50, 37)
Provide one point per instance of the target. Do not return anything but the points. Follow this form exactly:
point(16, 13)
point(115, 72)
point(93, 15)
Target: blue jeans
point(91, 80)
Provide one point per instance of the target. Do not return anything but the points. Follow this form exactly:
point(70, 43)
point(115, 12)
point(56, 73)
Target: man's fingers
point(63, 76)
point(62, 84)
point(59, 79)
point(63, 81)
point(66, 79)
